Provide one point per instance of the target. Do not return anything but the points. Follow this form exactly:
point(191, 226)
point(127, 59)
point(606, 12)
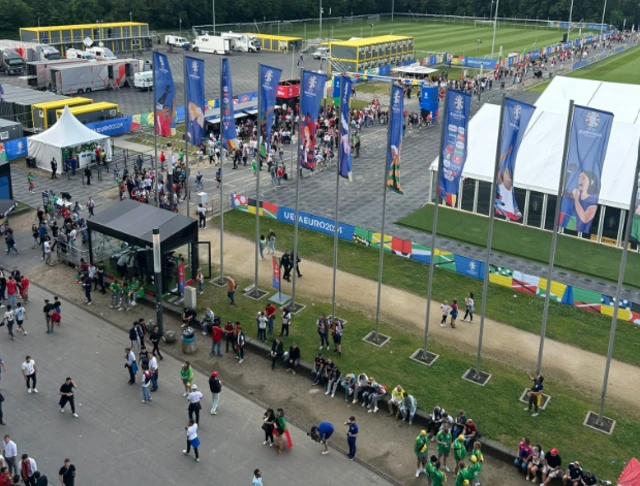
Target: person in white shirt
point(10, 453)
point(73, 234)
point(9, 320)
point(47, 253)
point(29, 372)
point(445, 312)
point(153, 368)
point(131, 365)
point(192, 440)
point(20, 314)
point(262, 326)
point(194, 398)
point(28, 468)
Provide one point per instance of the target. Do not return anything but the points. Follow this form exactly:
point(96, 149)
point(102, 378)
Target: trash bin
point(189, 343)
point(186, 46)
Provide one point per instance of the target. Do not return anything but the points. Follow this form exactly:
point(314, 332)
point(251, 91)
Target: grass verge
point(494, 408)
point(585, 330)
point(584, 257)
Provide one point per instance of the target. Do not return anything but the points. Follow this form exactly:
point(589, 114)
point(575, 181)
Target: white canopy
point(68, 131)
point(540, 156)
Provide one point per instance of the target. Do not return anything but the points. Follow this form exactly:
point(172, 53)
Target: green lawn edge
point(495, 407)
point(567, 324)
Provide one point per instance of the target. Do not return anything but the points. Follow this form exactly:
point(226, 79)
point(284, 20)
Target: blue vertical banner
point(227, 115)
point(164, 93)
point(269, 79)
point(1, 93)
point(394, 150)
point(195, 99)
point(515, 119)
point(588, 143)
point(345, 142)
point(311, 96)
point(454, 151)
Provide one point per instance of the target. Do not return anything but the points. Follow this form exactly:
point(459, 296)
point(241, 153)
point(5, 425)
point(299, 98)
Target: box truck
point(175, 41)
point(211, 44)
point(43, 115)
point(94, 112)
point(11, 62)
point(242, 42)
point(39, 72)
point(30, 51)
point(94, 76)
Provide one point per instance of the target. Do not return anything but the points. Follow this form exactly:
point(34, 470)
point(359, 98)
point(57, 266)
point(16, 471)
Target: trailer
point(242, 42)
point(212, 44)
point(94, 112)
point(95, 76)
point(43, 115)
point(39, 72)
point(30, 51)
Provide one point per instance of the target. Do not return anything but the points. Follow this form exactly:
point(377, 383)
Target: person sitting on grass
point(589, 479)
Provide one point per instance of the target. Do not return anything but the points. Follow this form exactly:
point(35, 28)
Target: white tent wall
point(44, 153)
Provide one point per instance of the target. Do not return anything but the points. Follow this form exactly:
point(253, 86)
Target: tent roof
point(68, 131)
point(631, 474)
point(540, 156)
point(134, 223)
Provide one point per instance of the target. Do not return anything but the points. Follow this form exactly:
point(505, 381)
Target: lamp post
point(180, 25)
point(213, 8)
point(569, 27)
point(495, 27)
point(130, 16)
point(157, 271)
point(320, 26)
point(38, 19)
point(603, 12)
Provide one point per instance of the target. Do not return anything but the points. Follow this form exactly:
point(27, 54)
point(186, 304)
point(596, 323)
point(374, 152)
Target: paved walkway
point(119, 440)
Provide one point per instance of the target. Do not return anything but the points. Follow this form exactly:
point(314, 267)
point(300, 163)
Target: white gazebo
point(68, 132)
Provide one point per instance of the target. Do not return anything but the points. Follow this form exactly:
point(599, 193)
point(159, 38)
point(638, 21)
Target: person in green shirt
point(30, 179)
point(438, 478)
point(114, 288)
point(281, 427)
point(462, 478)
point(430, 468)
point(474, 469)
point(459, 451)
point(420, 449)
point(186, 375)
point(443, 439)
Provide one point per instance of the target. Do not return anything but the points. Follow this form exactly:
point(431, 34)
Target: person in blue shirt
point(322, 433)
point(535, 394)
point(352, 435)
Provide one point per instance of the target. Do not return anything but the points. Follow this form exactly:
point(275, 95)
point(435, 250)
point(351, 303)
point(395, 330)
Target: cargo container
point(281, 43)
point(95, 76)
point(93, 113)
point(18, 102)
point(10, 130)
point(358, 55)
point(43, 115)
point(30, 51)
point(39, 73)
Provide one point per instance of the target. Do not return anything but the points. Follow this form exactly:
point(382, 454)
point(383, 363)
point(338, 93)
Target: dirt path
point(408, 311)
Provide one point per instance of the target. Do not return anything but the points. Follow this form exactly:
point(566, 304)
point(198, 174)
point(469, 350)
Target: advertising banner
point(469, 267)
point(14, 149)
point(269, 79)
point(394, 150)
point(115, 126)
point(477, 62)
point(196, 103)
point(590, 131)
point(316, 223)
point(345, 142)
point(454, 152)
point(226, 108)
point(180, 277)
point(165, 96)
point(513, 127)
point(275, 277)
point(311, 97)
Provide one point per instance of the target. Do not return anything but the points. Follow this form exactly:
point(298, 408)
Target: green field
point(621, 68)
point(430, 36)
point(532, 244)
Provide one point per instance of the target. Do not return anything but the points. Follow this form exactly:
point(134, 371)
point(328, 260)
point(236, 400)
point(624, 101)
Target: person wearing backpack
point(146, 382)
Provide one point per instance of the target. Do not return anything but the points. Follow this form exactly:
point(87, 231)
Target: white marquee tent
point(540, 156)
point(67, 132)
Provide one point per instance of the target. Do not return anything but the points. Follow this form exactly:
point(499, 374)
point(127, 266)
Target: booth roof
point(134, 222)
point(68, 131)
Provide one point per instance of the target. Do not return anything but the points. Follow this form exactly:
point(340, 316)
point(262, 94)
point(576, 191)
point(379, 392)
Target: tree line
point(166, 14)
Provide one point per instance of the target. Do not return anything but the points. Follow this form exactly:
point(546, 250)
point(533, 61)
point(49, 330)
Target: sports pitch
point(454, 38)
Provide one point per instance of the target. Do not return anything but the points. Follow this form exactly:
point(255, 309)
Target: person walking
point(9, 321)
point(29, 371)
point(153, 369)
point(192, 440)
point(10, 453)
point(420, 447)
point(352, 436)
point(195, 406)
point(268, 424)
point(257, 478)
point(20, 313)
point(231, 291)
point(28, 467)
point(145, 384)
point(155, 340)
point(2, 422)
point(66, 396)
point(30, 179)
point(130, 364)
point(215, 386)
point(285, 262)
point(469, 304)
point(271, 242)
point(87, 282)
point(67, 473)
point(286, 322)
point(240, 341)
point(134, 337)
point(281, 428)
point(186, 375)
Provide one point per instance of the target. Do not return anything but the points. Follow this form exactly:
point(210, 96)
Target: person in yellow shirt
point(396, 399)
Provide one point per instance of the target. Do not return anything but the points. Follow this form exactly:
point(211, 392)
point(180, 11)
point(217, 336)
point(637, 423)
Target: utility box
point(190, 297)
point(202, 198)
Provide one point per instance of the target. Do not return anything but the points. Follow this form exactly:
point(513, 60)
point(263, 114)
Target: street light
point(569, 28)
point(180, 25)
point(320, 27)
point(157, 270)
point(495, 26)
point(130, 16)
point(491, 9)
point(213, 8)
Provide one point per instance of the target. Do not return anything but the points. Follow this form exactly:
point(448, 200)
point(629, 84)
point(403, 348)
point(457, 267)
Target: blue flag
point(269, 79)
point(1, 93)
point(165, 96)
point(514, 125)
point(311, 92)
point(196, 102)
point(345, 143)
point(590, 131)
point(396, 119)
point(227, 115)
point(454, 152)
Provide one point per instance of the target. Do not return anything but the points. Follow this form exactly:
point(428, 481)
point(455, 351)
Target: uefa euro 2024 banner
point(515, 119)
point(195, 99)
point(588, 142)
point(269, 79)
point(164, 92)
point(454, 151)
point(311, 95)
point(345, 143)
point(227, 114)
point(394, 150)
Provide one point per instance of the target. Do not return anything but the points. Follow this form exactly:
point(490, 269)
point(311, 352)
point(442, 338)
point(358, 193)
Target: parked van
point(175, 40)
point(102, 53)
point(143, 80)
point(211, 44)
point(78, 54)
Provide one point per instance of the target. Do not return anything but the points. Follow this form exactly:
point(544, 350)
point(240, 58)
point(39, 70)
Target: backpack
point(55, 316)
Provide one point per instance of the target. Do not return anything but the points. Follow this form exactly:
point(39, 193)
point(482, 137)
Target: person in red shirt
point(24, 288)
point(230, 335)
point(270, 310)
point(216, 341)
point(12, 289)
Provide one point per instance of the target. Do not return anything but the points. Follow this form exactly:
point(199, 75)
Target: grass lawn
point(494, 408)
point(567, 324)
point(621, 68)
point(573, 254)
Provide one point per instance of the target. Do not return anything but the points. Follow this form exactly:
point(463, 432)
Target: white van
point(143, 80)
point(211, 44)
point(175, 41)
point(321, 53)
point(78, 54)
point(102, 53)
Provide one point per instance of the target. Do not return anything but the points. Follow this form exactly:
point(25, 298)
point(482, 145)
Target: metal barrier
point(71, 255)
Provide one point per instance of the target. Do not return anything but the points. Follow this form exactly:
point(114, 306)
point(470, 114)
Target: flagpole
point(616, 304)
point(155, 128)
point(297, 205)
point(434, 227)
point(554, 236)
point(256, 293)
point(384, 211)
point(221, 279)
point(336, 222)
point(186, 134)
point(492, 217)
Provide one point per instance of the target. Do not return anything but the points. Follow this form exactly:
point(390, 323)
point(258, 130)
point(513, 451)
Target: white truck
point(143, 81)
point(78, 54)
point(242, 42)
point(102, 53)
point(30, 51)
point(94, 76)
point(321, 53)
point(175, 41)
point(211, 44)
point(39, 72)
